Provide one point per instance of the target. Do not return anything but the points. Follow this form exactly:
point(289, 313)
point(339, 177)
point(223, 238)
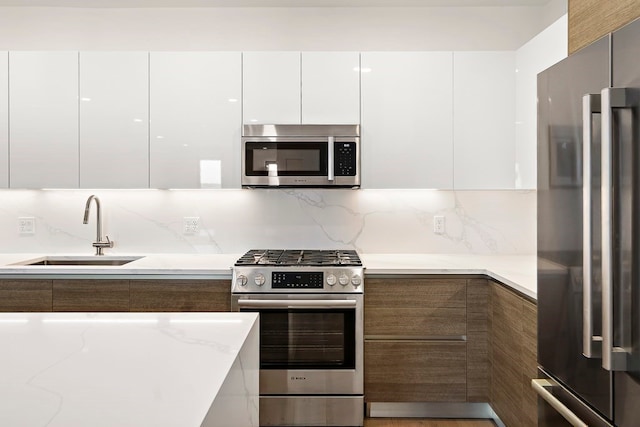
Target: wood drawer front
point(415, 307)
point(25, 295)
point(90, 295)
point(183, 295)
point(415, 371)
point(416, 322)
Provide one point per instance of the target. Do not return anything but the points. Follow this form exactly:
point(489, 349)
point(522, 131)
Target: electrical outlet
point(26, 225)
point(438, 224)
point(190, 224)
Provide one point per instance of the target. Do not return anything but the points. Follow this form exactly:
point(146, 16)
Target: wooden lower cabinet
point(90, 295)
point(513, 330)
point(107, 295)
point(184, 295)
point(478, 363)
point(17, 295)
point(486, 350)
point(415, 371)
point(415, 340)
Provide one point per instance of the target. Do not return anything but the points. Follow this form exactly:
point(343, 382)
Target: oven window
point(307, 338)
point(289, 158)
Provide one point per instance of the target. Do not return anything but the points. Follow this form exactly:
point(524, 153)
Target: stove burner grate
point(299, 257)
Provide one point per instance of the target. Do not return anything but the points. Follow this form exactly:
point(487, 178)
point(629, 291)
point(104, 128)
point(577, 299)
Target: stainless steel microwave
point(301, 156)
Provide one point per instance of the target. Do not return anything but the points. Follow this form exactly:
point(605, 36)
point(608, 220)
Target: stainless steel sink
point(79, 261)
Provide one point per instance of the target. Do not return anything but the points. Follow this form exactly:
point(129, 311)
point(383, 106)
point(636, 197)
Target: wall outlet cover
point(439, 224)
point(190, 224)
point(26, 225)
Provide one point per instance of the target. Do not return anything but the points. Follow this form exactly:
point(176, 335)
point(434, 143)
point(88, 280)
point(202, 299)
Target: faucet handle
point(107, 244)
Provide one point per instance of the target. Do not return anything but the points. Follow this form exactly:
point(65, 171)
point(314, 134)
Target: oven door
point(309, 344)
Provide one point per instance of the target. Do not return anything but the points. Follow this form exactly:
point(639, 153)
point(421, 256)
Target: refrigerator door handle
point(540, 386)
point(614, 354)
point(591, 344)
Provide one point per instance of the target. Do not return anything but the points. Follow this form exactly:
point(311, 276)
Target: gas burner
point(299, 257)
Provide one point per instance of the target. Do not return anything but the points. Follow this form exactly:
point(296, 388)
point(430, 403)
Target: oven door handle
point(267, 303)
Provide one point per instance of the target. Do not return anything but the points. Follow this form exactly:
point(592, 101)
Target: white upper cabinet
point(114, 120)
point(407, 120)
point(195, 119)
point(307, 87)
point(43, 121)
point(330, 88)
point(271, 87)
point(4, 119)
point(484, 120)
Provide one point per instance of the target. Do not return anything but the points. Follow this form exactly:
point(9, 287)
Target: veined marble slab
point(188, 265)
point(516, 271)
point(129, 369)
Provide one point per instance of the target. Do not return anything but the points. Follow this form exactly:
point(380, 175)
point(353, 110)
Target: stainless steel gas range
point(311, 333)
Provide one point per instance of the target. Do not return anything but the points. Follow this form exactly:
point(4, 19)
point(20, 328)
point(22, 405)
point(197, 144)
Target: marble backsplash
point(233, 221)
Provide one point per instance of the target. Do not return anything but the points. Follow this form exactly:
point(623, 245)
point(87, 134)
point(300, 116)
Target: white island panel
point(129, 369)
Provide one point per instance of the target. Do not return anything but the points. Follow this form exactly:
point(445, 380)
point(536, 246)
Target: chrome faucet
point(99, 244)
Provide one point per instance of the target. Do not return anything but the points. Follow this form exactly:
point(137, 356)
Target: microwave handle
point(330, 157)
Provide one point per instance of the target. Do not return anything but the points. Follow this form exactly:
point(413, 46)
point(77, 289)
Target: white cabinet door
point(4, 119)
point(114, 120)
point(43, 124)
point(271, 87)
point(407, 120)
point(330, 88)
point(195, 119)
point(484, 120)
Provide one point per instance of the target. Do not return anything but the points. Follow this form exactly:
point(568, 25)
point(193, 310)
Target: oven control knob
point(259, 279)
point(344, 280)
point(356, 281)
point(331, 279)
point(242, 280)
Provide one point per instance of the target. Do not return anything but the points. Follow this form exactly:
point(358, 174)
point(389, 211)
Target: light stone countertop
point(515, 271)
point(129, 369)
point(178, 265)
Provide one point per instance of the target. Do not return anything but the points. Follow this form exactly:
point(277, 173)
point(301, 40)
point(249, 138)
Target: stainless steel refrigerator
point(589, 235)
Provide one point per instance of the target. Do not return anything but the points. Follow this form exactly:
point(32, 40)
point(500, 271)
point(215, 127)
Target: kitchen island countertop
point(129, 369)
point(515, 271)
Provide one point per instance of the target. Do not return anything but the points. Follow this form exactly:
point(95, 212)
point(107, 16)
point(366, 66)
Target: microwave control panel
point(345, 158)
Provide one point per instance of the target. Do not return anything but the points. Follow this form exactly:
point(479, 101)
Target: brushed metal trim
point(540, 386)
point(591, 345)
point(300, 130)
point(431, 410)
point(614, 357)
point(292, 303)
point(311, 410)
point(330, 158)
point(405, 338)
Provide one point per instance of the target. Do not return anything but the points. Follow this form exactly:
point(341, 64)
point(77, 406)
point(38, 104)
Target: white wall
point(233, 221)
point(541, 52)
point(273, 28)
